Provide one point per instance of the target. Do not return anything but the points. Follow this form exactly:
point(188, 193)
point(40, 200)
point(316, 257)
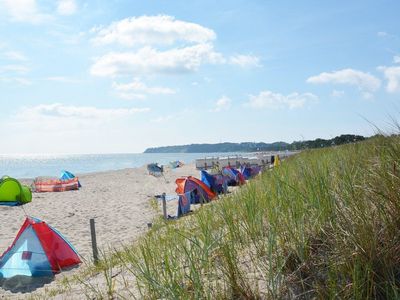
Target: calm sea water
point(30, 166)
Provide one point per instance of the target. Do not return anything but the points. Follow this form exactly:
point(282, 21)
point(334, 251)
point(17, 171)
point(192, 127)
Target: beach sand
point(119, 201)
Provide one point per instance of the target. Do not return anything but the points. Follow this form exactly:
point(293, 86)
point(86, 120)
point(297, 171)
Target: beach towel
point(184, 203)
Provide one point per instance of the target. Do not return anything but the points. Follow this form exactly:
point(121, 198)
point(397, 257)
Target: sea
point(34, 165)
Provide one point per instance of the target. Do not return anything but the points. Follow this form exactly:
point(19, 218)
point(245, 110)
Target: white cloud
point(17, 80)
point(163, 119)
point(392, 74)
point(191, 46)
point(60, 111)
point(270, 100)
point(180, 115)
point(19, 69)
point(24, 11)
point(384, 34)
point(62, 79)
point(337, 94)
point(139, 90)
point(14, 72)
point(66, 7)
point(151, 30)
point(223, 103)
point(245, 60)
point(131, 96)
point(364, 81)
point(367, 95)
point(396, 59)
point(15, 55)
point(149, 60)
point(72, 129)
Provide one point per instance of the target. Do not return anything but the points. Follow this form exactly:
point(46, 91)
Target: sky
point(119, 76)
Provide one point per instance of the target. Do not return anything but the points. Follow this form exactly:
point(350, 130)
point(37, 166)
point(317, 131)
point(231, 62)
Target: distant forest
point(254, 147)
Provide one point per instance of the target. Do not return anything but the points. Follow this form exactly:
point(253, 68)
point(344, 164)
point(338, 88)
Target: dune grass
point(324, 224)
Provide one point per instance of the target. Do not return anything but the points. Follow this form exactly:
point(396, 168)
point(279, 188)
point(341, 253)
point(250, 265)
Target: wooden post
point(164, 206)
point(94, 242)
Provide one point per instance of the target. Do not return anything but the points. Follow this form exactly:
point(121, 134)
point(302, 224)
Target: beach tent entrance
point(38, 250)
point(13, 193)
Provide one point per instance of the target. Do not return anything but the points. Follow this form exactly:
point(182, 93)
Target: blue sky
point(120, 76)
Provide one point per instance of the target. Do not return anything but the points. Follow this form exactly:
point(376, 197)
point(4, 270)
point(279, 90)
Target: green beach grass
point(324, 224)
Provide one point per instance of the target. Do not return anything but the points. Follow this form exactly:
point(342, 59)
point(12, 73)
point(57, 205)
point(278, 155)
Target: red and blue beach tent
point(38, 250)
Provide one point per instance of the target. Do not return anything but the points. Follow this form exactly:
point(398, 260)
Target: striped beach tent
point(37, 250)
point(55, 185)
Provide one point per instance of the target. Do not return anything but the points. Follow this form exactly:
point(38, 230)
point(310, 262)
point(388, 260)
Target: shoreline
point(107, 196)
point(27, 168)
point(118, 200)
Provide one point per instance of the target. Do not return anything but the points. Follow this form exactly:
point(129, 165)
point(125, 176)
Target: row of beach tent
point(40, 250)
point(191, 190)
point(13, 193)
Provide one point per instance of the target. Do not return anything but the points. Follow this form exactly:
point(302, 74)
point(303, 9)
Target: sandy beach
point(119, 201)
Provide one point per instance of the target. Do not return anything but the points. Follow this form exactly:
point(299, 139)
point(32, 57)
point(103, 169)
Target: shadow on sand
point(24, 284)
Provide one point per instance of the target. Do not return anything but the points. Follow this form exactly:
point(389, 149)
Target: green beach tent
point(13, 193)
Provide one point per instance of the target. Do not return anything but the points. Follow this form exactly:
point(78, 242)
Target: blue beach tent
point(217, 183)
point(208, 179)
point(68, 175)
point(246, 172)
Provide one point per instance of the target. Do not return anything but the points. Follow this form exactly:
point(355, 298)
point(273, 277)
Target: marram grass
point(325, 224)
